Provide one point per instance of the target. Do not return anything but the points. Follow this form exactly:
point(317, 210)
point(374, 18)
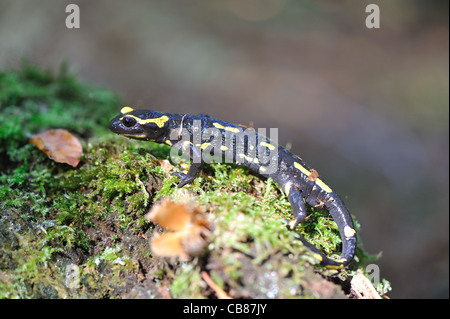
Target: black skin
point(301, 184)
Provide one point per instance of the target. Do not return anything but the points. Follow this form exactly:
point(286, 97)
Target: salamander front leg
point(195, 168)
point(193, 172)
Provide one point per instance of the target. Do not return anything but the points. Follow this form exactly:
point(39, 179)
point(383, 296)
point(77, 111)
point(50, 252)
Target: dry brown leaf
point(170, 215)
point(59, 145)
point(189, 229)
point(168, 245)
point(193, 241)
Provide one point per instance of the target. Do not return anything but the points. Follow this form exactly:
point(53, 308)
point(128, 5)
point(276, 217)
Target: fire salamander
point(203, 139)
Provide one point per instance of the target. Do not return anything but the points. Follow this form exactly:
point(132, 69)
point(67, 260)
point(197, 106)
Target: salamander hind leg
point(297, 200)
point(295, 197)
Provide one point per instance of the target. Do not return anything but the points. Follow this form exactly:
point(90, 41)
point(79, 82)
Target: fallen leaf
point(170, 215)
point(188, 226)
point(169, 245)
point(59, 145)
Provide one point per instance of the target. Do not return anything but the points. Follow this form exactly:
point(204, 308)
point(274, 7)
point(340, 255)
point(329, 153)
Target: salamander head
point(141, 124)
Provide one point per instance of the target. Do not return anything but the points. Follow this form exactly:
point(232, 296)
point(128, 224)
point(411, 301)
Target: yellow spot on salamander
point(224, 148)
point(342, 261)
point(143, 136)
point(227, 128)
point(160, 121)
point(232, 129)
point(349, 232)
point(318, 257)
point(292, 224)
point(168, 142)
point(126, 109)
point(335, 267)
point(249, 159)
point(319, 182)
point(205, 145)
point(185, 145)
point(324, 186)
point(287, 188)
point(301, 168)
point(218, 125)
point(269, 146)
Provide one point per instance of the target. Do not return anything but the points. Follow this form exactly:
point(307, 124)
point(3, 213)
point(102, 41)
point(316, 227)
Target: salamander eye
point(129, 121)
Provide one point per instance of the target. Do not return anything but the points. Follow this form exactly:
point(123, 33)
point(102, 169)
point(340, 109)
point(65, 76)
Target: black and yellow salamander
point(200, 137)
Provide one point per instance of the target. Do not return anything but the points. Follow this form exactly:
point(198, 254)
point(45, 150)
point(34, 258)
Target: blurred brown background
point(368, 108)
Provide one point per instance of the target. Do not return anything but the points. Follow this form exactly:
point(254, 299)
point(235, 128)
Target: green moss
point(187, 282)
point(39, 191)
